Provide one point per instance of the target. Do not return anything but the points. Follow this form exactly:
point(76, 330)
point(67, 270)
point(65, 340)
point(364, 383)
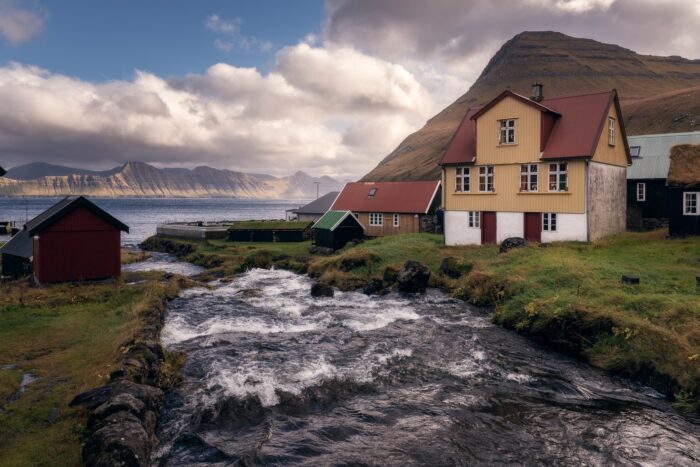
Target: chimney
point(537, 92)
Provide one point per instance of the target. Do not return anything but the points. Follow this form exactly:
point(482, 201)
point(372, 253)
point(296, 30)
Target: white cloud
point(19, 24)
point(218, 24)
point(224, 46)
point(322, 109)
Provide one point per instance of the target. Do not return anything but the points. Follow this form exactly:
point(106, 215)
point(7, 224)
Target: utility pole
point(317, 183)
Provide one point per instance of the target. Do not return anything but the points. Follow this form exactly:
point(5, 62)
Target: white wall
point(570, 227)
point(509, 224)
point(457, 230)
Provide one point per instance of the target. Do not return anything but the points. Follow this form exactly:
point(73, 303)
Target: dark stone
point(454, 267)
point(122, 441)
point(373, 287)
point(348, 264)
point(512, 242)
point(322, 290)
point(629, 280)
point(120, 402)
point(152, 397)
point(697, 282)
point(390, 275)
point(413, 277)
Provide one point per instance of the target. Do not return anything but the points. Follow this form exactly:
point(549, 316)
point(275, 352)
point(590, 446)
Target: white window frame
point(463, 179)
point(376, 219)
point(549, 222)
point(641, 191)
point(611, 131)
point(687, 196)
point(396, 220)
point(506, 131)
point(474, 220)
point(487, 175)
point(560, 174)
point(529, 173)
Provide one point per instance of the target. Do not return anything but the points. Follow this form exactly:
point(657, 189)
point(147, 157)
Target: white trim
point(381, 218)
point(697, 203)
point(432, 198)
point(339, 220)
point(642, 185)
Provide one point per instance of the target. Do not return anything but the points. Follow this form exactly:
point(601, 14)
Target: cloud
point(19, 24)
point(452, 40)
point(330, 110)
point(232, 38)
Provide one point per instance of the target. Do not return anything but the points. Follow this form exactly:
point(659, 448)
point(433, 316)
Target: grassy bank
point(565, 295)
point(68, 337)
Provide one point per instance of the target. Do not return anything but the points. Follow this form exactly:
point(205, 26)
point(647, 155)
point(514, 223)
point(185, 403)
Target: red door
point(488, 228)
point(533, 227)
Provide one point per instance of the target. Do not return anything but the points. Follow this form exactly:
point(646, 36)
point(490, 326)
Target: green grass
point(69, 337)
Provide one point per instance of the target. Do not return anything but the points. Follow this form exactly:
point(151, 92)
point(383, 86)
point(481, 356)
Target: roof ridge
point(665, 135)
point(569, 96)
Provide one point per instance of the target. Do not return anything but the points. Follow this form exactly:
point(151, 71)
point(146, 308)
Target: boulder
point(373, 287)
point(629, 280)
point(152, 397)
point(390, 275)
point(121, 402)
point(121, 441)
point(512, 242)
point(454, 267)
point(413, 277)
point(322, 290)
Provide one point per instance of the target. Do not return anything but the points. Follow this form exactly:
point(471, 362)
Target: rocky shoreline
point(123, 414)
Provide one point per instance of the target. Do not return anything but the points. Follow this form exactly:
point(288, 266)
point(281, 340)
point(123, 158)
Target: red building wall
point(80, 246)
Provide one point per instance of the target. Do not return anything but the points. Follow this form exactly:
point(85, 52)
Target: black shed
point(684, 191)
point(336, 228)
point(16, 255)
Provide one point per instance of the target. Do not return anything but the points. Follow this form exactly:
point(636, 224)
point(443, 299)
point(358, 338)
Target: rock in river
point(413, 277)
point(322, 290)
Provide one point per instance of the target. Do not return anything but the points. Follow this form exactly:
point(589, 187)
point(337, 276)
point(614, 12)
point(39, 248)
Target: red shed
point(75, 240)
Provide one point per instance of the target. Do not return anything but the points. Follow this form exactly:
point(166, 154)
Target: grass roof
point(685, 165)
point(270, 225)
point(329, 220)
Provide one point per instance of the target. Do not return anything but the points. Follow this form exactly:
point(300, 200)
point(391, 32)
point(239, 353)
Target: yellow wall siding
point(605, 153)
point(527, 133)
point(508, 198)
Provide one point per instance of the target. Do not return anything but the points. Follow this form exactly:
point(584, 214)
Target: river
point(275, 377)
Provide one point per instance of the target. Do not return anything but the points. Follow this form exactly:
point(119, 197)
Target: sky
point(270, 86)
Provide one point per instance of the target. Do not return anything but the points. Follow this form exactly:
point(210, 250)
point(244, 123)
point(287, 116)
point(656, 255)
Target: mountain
point(137, 179)
point(42, 169)
point(658, 94)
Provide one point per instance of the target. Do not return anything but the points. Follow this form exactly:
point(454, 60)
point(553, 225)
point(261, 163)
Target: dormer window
point(507, 132)
point(635, 151)
point(611, 131)
point(372, 192)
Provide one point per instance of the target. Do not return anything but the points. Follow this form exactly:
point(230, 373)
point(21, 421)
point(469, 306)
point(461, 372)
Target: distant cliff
point(137, 179)
point(658, 94)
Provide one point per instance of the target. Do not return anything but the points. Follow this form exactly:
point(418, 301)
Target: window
point(635, 151)
point(507, 132)
point(641, 191)
point(396, 220)
point(558, 179)
point(528, 177)
point(486, 178)
point(474, 219)
point(611, 131)
point(462, 179)
point(372, 192)
point(549, 222)
point(690, 204)
point(376, 219)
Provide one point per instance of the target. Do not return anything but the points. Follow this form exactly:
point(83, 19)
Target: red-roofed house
point(387, 208)
point(543, 169)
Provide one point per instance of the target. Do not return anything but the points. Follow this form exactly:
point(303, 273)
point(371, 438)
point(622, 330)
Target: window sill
point(565, 193)
point(506, 145)
point(466, 193)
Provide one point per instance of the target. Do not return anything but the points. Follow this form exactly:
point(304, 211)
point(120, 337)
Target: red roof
point(398, 197)
point(577, 127)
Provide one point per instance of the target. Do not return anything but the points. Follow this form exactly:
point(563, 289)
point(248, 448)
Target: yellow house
point(542, 169)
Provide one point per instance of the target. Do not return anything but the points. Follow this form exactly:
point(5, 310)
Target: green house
point(336, 228)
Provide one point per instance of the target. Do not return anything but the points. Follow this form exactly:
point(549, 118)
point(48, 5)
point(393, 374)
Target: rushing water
point(143, 214)
point(275, 377)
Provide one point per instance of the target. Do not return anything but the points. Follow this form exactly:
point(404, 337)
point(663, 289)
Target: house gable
point(528, 124)
point(617, 154)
